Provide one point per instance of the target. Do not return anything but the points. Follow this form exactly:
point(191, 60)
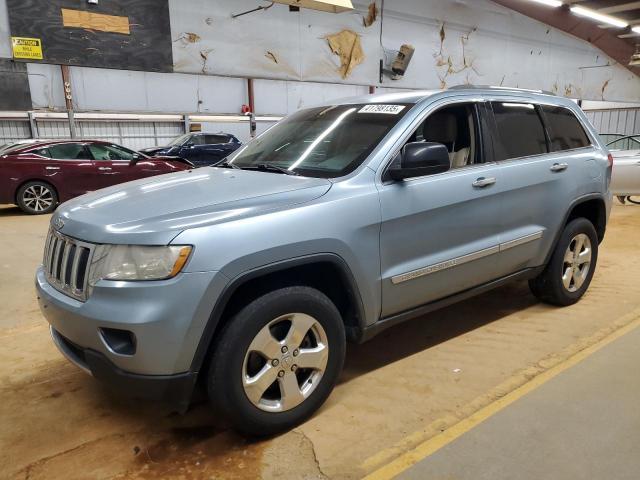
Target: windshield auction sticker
point(29, 48)
point(387, 109)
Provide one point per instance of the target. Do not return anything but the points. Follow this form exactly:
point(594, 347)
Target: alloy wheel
point(285, 362)
point(577, 262)
point(38, 198)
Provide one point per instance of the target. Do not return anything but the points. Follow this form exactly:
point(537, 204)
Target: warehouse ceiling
point(618, 43)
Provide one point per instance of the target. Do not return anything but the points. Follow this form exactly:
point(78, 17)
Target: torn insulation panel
point(348, 47)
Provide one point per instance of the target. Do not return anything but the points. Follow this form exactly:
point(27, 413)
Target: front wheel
point(277, 360)
point(568, 274)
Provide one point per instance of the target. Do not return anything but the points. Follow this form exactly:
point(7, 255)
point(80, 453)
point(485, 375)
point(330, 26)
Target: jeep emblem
point(58, 223)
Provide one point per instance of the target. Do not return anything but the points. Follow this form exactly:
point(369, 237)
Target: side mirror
point(418, 159)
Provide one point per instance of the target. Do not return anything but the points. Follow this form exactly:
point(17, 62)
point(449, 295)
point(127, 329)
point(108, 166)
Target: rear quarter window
point(565, 130)
point(520, 132)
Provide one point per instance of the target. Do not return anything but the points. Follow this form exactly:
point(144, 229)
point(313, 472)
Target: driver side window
point(109, 152)
point(456, 127)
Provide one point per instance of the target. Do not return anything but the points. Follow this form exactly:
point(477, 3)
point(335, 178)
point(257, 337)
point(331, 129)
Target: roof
point(417, 96)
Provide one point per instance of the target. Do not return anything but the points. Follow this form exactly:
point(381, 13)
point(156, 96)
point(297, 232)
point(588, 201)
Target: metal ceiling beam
point(562, 19)
point(623, 7)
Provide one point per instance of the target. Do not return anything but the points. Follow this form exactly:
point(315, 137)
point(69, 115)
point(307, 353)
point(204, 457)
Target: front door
point(440, 234)
point(211, 149)
point(114, 163)
point(71, 161)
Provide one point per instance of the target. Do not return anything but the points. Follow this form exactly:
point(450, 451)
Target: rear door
point(544, 152)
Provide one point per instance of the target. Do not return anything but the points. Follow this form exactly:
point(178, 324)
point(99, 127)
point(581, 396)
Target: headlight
point(136, 262)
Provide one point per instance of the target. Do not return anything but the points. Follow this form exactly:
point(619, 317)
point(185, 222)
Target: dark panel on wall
point(96, 35)
point(14, 86)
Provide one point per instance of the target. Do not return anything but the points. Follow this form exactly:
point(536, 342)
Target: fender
point(574, 204)
point(216, 315)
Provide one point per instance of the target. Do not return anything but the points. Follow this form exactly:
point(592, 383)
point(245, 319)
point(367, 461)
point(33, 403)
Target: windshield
point(630, 142)
point(180, 140)
point(324, 142)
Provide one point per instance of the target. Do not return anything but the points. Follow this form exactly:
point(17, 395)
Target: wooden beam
point(95, 21)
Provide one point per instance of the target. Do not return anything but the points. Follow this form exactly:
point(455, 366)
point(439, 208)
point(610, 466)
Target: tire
point(267, 325)
point(560, 283)
point(37, 198)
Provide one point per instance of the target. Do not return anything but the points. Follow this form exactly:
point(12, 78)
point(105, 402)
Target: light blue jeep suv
point(340, 221)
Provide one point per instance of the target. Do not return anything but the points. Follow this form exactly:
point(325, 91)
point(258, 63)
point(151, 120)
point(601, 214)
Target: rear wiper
point(271, 168)
point(227, 164)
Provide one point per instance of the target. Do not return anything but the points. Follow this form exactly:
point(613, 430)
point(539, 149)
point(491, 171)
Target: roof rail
point(492, 87)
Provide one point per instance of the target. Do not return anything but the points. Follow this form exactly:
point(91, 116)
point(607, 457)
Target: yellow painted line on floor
point(432, 445)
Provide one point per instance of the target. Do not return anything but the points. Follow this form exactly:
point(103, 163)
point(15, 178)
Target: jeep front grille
point(66, 264)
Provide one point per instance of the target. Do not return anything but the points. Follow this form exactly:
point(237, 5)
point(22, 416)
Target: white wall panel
point(500, 47)
point(5, 36)
point(45, 82)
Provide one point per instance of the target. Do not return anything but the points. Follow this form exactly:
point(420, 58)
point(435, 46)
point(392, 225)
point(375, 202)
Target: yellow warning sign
point(30, 48)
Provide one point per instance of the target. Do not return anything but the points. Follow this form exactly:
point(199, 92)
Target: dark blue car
point(201, 149)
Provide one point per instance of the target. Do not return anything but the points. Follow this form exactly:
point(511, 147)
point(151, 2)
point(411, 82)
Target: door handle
point(484, 182)
point(52, 168)
point(559, 167)
point(104, 168)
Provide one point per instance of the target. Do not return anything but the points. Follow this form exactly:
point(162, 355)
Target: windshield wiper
point(226, 164)
point(265, 167)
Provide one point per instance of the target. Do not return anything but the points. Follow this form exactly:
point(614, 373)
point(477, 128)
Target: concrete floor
point(398, 390)
point(584, 423)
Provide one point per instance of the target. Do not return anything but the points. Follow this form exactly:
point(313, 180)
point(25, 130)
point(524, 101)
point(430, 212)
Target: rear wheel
point(569, 272)
point(277, 360)
point(37, 198)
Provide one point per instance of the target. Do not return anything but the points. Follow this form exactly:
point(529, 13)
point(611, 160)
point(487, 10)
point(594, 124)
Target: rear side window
point(68, 151)
point(212, 139)
point(520, 130)
point(565, 131)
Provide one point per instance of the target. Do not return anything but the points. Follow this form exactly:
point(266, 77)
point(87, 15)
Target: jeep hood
point(153, 211)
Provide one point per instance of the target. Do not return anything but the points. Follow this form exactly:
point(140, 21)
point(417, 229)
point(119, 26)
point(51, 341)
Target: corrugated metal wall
point(624, 121)
point(12, 130)
point(135, 135)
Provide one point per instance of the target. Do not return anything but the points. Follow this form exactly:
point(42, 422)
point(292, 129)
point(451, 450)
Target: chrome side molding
point(454, 262)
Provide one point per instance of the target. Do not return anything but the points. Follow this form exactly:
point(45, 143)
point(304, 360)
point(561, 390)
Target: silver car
point(340, 221)
point(625, 182)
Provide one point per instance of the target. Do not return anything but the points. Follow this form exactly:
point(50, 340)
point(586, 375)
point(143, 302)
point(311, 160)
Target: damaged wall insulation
point(347, 46)
point(129, 35)
point(467, 41)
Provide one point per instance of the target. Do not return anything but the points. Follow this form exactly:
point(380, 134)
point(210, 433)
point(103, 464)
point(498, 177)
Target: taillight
point(610, 158)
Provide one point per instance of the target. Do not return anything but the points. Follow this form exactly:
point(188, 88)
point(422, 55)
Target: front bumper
point(176, 390)
point(165, 318)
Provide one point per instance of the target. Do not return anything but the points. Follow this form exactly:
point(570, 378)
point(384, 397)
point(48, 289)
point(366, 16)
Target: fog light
point(122, 342)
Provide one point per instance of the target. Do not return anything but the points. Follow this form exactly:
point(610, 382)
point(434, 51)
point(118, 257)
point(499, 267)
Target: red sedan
point(37, 175)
